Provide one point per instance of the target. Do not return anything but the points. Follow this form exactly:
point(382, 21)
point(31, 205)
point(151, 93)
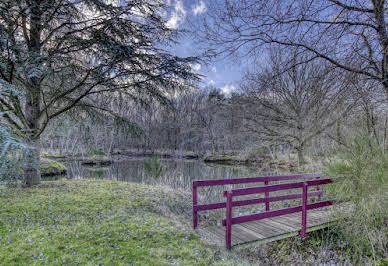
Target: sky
point(222, 73)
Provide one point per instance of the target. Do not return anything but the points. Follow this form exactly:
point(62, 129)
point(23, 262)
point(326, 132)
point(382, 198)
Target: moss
point(50, 167)
point(53, 155)
point(101, 222)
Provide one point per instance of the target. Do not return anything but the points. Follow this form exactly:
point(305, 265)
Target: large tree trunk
point(31, 163)
point(31, 160)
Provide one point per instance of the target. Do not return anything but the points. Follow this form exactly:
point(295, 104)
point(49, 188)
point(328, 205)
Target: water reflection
point(177, 174)
point(132, 170)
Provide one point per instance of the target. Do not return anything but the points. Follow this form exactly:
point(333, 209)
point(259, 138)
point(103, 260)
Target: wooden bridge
point(269, 225)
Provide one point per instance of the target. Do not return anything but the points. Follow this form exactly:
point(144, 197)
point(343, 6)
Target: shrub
point(364, 166)
point(10, 170)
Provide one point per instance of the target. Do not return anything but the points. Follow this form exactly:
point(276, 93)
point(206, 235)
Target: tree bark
point(31, 158)
point(31, 163)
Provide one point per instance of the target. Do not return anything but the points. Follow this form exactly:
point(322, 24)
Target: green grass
point(100, 222)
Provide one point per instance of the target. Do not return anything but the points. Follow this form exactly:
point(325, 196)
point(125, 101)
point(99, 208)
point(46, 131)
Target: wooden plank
point(312, 219)
point(288, 227)
point(253, 231)
point(264, 226)
point(266, 223)
point(245, 233)
point(293, 221)
point(285, 235)
point(271, 229)
point(275, 228)
point(265, 229)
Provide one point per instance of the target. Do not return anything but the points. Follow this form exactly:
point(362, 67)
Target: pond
point(176, 173)
point(179, 172)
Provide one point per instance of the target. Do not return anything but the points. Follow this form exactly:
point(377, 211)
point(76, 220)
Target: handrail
point(229, 194)
point(278, 187)
point(244, 180)
point(220, 205)
point(267, 199)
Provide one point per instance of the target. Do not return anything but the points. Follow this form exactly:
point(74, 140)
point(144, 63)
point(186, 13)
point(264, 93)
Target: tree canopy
point(63, 54)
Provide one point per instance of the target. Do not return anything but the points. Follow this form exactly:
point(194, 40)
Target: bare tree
point(294, 106)
point(63, 54)
point(349, 34)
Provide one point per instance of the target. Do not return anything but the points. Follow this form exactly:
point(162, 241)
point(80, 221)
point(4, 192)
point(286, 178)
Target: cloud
point(178, 15)
point(196, 67)
point(200, 8)
point(211, 82)
point(228, 89)
point(214, 69)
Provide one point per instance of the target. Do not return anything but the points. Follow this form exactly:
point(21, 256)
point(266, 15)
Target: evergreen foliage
point(91, 54)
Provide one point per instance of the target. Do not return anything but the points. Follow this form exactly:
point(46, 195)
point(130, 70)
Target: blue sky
point(224, 74)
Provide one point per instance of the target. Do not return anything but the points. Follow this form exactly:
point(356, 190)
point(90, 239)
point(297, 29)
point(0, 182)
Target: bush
point(10, 170)
point(364, 166)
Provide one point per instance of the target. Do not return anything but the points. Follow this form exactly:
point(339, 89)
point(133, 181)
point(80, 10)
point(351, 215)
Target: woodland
point(97, 79)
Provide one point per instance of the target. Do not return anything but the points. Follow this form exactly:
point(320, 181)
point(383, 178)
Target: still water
point(175, 173)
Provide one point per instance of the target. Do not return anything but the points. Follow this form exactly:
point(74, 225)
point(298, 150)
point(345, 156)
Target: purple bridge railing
point(309, 180)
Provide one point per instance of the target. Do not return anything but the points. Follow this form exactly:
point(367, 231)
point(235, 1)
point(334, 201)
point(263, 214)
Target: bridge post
point(266, 196)
point(228, 234)
point(302, 232)
point(318, 189)
point(195, 203)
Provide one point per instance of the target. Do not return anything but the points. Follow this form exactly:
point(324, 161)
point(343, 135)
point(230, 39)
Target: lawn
point(101, 223)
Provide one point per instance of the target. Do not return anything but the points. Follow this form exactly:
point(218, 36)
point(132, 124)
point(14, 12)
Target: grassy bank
point(100, 222)
point(91, 222)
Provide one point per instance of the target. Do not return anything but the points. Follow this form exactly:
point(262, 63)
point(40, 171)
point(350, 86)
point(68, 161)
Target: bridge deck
point(271, 229)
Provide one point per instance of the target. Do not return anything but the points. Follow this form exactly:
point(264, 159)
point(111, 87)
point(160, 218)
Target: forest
point(159, 93)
